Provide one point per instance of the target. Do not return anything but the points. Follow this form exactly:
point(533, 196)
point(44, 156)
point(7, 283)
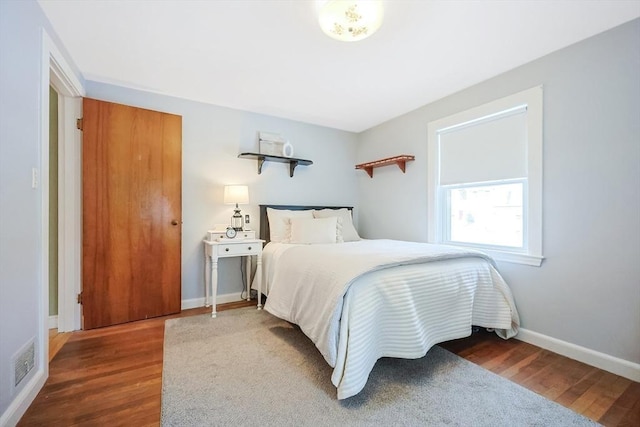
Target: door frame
point(57, 72)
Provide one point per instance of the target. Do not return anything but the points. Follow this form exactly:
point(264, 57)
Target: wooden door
point(131, 213)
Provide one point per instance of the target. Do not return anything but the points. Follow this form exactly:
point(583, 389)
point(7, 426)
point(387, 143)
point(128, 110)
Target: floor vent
point(24, 361)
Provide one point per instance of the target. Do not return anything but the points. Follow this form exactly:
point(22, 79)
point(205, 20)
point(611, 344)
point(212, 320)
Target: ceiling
point(271, 57)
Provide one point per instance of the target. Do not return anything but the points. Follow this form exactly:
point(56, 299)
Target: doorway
point(58, 76)
point(53, 208)
point(63, 276)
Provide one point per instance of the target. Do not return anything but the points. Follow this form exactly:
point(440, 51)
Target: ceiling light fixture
point(349, 20)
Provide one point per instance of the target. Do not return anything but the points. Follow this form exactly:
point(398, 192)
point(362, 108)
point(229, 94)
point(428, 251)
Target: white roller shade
point(490, 149)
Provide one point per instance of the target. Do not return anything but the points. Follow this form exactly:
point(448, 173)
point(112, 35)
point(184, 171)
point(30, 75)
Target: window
point(489, 215)
point(485, 178)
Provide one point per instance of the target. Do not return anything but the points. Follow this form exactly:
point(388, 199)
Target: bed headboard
point(264, 220)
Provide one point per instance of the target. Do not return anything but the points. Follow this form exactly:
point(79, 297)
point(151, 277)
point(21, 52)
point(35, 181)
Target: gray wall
point(212, 139)
point(587, 291)
point(22, 309)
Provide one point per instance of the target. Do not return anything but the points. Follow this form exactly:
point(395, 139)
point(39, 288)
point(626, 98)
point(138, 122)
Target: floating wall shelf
point(261, 158)
point(401, 161)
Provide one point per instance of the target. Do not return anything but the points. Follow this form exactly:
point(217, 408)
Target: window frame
point(531, 253)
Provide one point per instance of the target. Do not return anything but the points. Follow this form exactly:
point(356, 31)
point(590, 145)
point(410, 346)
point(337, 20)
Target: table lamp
point(236, 194)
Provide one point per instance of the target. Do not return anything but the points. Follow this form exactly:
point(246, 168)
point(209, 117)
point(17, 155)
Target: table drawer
point(219, 235)
point(239, 249)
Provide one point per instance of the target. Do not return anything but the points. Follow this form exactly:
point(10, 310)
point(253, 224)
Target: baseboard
point(221, 299)
point(53, 322)
point(23, 400)
point(603, 361)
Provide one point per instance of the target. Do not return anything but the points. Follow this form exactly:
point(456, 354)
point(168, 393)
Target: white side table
point(226, 248)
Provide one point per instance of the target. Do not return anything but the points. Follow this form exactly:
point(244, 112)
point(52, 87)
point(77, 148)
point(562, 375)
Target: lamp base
point(237, 222)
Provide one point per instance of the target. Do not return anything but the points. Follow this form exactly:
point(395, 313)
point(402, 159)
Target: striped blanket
point(360, 301)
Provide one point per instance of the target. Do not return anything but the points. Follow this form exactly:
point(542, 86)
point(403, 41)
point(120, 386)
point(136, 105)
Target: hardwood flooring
point(602, 396)
point(113, 376)
point(56, 341)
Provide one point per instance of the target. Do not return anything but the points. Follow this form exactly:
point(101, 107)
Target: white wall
point(212, 139)
point(587, 291)
point(23, 303)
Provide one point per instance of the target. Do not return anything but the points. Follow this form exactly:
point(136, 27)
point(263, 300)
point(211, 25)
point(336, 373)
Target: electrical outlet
point(246, 219)
point(34, 178)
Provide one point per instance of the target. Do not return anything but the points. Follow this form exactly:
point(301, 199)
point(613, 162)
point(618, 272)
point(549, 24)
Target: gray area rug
point(250, 368)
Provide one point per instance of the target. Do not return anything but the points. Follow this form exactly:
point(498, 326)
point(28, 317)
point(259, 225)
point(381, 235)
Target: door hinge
point(80, 298)
point(79, 123)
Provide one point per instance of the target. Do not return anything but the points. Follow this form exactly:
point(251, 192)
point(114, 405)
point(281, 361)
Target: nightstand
point(227, 248)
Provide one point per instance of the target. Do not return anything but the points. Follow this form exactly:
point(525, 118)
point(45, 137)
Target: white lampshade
point(350, 20)
point(236, 194)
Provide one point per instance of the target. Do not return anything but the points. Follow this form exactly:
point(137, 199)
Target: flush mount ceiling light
point(349, 20)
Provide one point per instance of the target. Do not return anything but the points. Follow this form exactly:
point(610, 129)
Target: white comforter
point(356, 308)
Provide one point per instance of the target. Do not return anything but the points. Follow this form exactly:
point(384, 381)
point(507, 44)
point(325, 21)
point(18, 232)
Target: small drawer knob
point(226, 249)
point(249, 247)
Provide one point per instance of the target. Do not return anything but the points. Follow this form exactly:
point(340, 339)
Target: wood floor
point(113, 376)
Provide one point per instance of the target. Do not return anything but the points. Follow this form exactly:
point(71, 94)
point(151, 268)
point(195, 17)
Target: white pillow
point(312, 230)
point(338, 228)
point(278, 222)
point(349, 233)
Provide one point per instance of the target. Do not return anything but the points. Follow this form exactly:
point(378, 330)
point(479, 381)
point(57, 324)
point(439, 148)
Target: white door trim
point(57, 72)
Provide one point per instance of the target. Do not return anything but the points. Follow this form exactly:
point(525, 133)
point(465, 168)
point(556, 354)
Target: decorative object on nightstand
point(397, 160)
point(231, 232)
point(236, 194)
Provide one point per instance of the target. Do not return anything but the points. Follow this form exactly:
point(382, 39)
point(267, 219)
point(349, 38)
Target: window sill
point(505, 256)
point(515, 258)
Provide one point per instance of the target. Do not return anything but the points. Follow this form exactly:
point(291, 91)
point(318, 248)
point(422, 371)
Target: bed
point(360, 300)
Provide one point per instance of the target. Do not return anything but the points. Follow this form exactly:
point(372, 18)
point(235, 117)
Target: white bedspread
point(356, 308)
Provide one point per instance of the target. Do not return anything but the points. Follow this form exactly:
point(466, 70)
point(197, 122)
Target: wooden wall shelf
point(401, 161)
point(261, 158)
